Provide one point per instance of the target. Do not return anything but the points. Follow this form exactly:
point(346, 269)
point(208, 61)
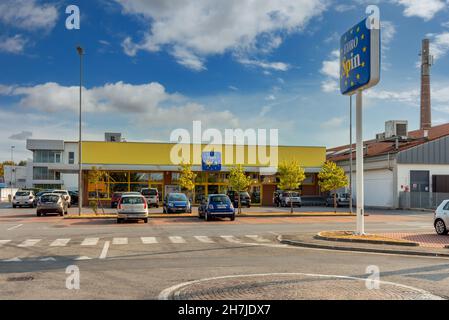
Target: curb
point(407, 244)
point(358, 249)
point(244, 215)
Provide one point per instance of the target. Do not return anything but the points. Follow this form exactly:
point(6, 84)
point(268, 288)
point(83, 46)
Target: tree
point(187, 178)
point(239, 182)
point(2, 165)
point(96, 176)
point(332, 177)
point(291, 175)
point(22, 163)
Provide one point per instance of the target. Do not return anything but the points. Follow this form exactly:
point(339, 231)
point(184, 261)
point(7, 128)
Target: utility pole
point(359, 164)
point(350, 154)
point(80, 171)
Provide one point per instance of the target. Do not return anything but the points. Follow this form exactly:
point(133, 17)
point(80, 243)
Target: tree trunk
point(96, 195)
point(335, 202)
point(240, 205)
point(291, 203)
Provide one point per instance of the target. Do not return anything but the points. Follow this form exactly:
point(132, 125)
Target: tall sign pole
point(360, 70)
point(80, 169)
point(350, 154)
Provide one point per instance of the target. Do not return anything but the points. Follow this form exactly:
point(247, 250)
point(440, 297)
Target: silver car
point(65, 194)
point(51, 203)
point(152, 196)
point(132, 207)
point(24, 198)
point(441, 218)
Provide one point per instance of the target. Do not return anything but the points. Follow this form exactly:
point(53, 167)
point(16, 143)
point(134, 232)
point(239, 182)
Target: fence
point(421, 200)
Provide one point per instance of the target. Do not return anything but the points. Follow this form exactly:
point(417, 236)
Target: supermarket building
point(130, 166)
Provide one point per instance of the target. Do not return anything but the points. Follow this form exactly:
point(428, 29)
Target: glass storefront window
point(136, 187)
point(156, 176)
point(175, 176)
point(139, 177)
point(118, 177)
point(200, 177)
point(117, 187)
point(200, 193)
point(214, 177)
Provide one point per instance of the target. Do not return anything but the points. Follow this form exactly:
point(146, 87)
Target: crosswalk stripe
point(257, 238)
point(231, 239)
point(59, 243)
point(29, 242)
point(148, 240)
point(120, 241)
point(175, 239)
point(204, 239)
point(16, 259)
point(2, 242)
point(90, 242)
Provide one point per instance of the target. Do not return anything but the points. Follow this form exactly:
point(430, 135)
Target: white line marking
point(104, 252)
point(231, 239)
point(16, 259)
point(82, 258)
point(15, 227)
point(2, 242)
point(174, 290)
point(29, 242)
point(257, 238)
point(48, 259)
point(120, 241)
point(90, 242)
point(175, 239)
point(59, 243)
point(148, 240)
point(204, 239)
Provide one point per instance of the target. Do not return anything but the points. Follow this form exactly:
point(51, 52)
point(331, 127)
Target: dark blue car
point(177, 202)
point(216, 206)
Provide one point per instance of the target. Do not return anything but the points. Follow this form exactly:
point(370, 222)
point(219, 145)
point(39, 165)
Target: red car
point(115, 199)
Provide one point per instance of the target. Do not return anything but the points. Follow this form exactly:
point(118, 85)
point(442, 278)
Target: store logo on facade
point(248, 147)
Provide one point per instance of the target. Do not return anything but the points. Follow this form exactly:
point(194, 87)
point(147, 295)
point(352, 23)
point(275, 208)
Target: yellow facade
point(136, 153)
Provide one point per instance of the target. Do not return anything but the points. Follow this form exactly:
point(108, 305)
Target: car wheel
point(232, 217)
point(14, 206)
point(61, 213)
point(248, 206)
point(38, 214)
point(157, 206)
point(119, 220)
point(145, 220)
point(440, 227)
point(206, 217)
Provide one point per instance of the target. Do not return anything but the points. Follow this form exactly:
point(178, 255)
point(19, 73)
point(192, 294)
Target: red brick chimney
point(426, 62)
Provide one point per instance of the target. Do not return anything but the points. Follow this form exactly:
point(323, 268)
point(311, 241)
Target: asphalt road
point(170, 258)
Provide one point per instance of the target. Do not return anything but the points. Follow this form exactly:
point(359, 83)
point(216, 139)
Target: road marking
point(90, 242)
point(2, 242)
point(15, 227)
point(257, 238)
point(120, 241)
point(231, 239)
point(48, 259)
point(104, 252)
point(16, 259)
point(82, 258)
point(148, 240)
point(175, 239)
point(204, 239)
point(59, 243)
point(29, 242)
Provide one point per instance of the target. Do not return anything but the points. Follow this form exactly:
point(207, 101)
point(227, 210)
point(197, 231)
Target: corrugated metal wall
point(433, 152)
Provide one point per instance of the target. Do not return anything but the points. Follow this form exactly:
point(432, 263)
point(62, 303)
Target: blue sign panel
point(211, 161)
point(359, 58)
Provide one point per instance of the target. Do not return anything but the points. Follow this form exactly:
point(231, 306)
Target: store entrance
point(212, 189)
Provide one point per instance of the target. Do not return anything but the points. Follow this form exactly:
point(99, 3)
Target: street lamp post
point(80, 171)
point(350, 154)
point(12, 169)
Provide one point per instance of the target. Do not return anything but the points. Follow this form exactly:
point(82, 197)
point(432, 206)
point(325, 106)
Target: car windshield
point(132, 200)
point(22, 193)
point(177, 197)
point(60, 192)
point(49, 198)
point(244, 194)
point(219, 199)
point(290, 194)
point(149, 192)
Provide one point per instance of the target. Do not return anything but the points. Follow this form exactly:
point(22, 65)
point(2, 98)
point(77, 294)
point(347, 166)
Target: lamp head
point(80, 50)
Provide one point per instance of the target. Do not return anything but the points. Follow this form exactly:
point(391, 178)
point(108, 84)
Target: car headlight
point(211, 207)
point(170, 204)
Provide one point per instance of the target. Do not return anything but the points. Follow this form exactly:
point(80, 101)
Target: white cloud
point(14, 45)
point(439, 94)
point(28, 14)
point(425, 9)
point(439, 44)
point(331, 70)
point(344, 7)
point(276, 66)
point(333, 123)
point(270, 97)
point(192, 30)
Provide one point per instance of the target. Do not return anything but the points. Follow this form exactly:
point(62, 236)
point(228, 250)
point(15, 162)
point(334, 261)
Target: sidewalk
point(311, 241)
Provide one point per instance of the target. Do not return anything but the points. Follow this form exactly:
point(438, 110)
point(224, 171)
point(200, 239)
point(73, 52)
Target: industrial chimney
point(426, 62)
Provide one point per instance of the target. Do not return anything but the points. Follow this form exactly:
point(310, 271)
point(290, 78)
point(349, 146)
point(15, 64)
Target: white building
point(15, 176)
point(402, 169)
point(54, 164)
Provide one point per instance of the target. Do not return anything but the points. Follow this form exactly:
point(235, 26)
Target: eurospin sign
point(360, 55)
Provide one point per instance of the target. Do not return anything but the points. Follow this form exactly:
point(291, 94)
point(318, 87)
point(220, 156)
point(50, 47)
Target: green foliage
point(332, 177)
point(291, 175)
point(187, 177)
point(96, 176)
point(239, 181)
point(94, 206)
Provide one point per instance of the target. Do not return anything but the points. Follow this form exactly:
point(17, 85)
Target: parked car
point(216, 206)
point(73, 197)
point(115, 199)
point(152, 196)
point(24, 198)
point(132, 207)
point(277, 195)
point(176, 202)
point(65, 194)
point(245, 199)
point(40, 193)
point(342, 199)
point(288, 198)
point(52, 203)
point(441, 218)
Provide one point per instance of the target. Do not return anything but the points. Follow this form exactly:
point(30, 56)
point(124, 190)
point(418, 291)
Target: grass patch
point(350, 235)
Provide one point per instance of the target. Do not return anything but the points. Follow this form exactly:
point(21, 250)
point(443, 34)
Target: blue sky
point(152, 66)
